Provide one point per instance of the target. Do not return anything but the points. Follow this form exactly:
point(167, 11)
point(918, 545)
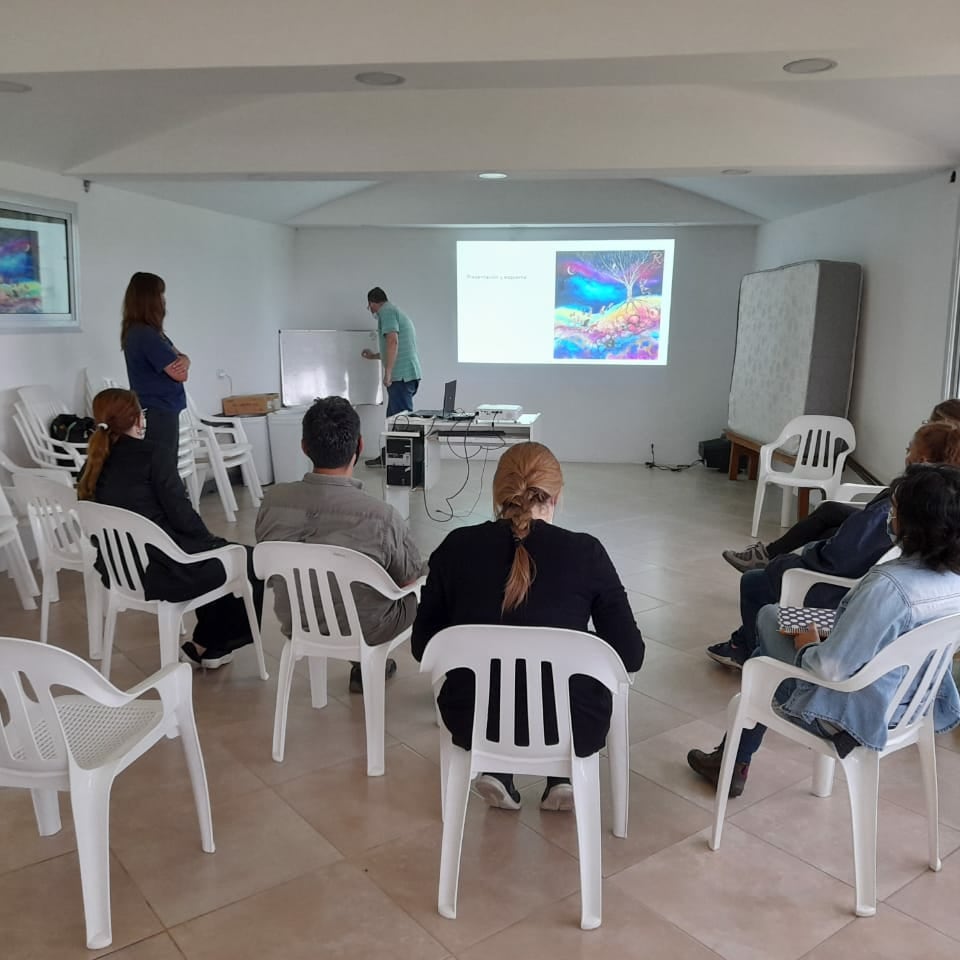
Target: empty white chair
point(79, 742)
point(307, 570)
point(926, 654)
point(122, 538)
point(567, 652)
point(819, 461)
point(91, 389)
point(57, 474)
point(15, 557)
point(61, 545)
point(222, 445)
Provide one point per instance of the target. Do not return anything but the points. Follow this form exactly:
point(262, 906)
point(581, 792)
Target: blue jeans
point(756, 591)
point(400, 396)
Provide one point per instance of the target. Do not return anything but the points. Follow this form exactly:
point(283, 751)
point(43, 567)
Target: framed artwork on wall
point(38, 274)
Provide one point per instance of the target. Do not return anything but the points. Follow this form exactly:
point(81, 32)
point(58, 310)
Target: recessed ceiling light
point(735, 172)
point(492, 176)
point(379, 78)
point(810, 65)
point(11, 86)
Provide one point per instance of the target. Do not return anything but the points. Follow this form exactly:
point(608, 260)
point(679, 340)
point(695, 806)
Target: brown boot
point(708, 766)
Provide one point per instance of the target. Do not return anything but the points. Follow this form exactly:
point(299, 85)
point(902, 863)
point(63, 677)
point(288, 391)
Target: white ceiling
point(252, 109)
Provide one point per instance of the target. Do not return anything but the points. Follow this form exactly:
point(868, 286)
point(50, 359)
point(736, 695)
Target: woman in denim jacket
point(892, 599)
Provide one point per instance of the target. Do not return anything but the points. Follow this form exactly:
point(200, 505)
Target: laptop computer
point(449, 405)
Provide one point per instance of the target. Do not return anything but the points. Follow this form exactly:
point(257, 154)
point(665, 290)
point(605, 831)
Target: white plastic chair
point(926, 653)
point(567, 652)
point(41, 447)
point(90, 389)
point(80, 742)
point(122, 538)
point(18, 567)
point(307, 570)
point(187, 458)
point(796, 582)
point(61, 545)
point(819, 463)
point(223, 444)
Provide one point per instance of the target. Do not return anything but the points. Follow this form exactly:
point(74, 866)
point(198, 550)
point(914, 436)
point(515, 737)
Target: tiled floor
point(316, 860)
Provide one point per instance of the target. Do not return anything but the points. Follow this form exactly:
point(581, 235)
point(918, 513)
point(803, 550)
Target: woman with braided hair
point(521, 569)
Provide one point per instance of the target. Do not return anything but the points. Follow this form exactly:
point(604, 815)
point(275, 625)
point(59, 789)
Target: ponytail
point(115, 411)
point(527, 476)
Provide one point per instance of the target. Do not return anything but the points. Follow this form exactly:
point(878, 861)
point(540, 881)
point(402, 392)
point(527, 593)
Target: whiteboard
point(328, 363)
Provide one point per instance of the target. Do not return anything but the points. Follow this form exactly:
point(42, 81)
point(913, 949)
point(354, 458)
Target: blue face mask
point(891, 533)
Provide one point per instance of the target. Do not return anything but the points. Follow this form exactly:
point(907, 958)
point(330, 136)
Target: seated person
point(893, 598)
point(522, 570)
point(329, 506)
point(823, 522)
point(124, 470)
point(859, 543)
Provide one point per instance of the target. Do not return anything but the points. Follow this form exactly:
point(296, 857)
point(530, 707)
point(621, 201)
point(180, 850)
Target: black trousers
point(820, 525)
point(163, 429)
point(222, 624)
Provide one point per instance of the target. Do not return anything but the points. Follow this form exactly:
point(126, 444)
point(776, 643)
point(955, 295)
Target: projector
point(501, 412)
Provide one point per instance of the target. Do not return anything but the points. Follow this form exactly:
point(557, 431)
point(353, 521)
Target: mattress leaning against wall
point(796, 342)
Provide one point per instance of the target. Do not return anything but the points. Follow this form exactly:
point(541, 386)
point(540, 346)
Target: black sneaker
point(728, 654)
point(498, 790)
point(210, 659)
point(707, 765)
point(356, 677)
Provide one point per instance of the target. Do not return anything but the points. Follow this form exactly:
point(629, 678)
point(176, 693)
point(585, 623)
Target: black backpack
point(70, 428)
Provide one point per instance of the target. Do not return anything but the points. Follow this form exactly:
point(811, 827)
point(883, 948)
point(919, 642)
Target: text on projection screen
point(564, 302)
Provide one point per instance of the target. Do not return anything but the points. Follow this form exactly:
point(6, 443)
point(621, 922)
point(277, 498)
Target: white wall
point(228, 285)
point(590, 413)
point(905, 239)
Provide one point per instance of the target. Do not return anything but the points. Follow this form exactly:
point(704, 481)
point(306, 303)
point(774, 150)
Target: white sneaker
point(559, 798)
point(495, 793)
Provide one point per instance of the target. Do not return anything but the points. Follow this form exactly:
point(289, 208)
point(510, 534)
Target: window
point(38, 279)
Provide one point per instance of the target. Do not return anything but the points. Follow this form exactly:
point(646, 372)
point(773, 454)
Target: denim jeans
point(400, 396)
point(756, 591)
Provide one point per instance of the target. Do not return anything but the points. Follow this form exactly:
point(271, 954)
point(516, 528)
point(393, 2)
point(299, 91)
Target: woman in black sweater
point(521, 570)
point(124, 470)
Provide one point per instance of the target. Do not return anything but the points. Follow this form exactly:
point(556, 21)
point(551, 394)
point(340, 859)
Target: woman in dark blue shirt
point(156, 369)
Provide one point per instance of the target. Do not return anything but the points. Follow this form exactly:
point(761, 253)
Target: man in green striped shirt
point(398, 351)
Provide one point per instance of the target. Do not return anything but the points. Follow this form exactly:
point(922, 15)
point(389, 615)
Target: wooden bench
point(741, 446)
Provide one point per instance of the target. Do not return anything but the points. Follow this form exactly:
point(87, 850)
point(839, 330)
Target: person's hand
point(806, 637)
point(387, 379)
point(368, 355)
point(185, 359)
point(180, 366)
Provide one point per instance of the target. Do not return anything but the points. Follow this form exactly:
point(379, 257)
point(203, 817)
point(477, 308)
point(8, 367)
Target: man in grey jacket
point(329, 506)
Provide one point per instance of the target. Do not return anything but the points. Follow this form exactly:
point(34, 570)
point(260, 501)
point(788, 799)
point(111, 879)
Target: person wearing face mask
point(921, 585)
point(860, 541)
point(329, 506)
point(523, 570)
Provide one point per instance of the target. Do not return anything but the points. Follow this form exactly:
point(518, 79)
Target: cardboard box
point(252, 404)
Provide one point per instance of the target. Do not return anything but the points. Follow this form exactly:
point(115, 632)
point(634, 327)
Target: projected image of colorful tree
point(608, 305)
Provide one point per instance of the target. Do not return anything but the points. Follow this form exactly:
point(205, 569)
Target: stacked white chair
point(79, 742)
point(122, 538)
point(15, 557)
point(222, 445)
point(819, 462)
point(188, 444)
point(41, 447)
point(568, 653)
point(306, 569)
point(925, 654)
point(61, 545)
